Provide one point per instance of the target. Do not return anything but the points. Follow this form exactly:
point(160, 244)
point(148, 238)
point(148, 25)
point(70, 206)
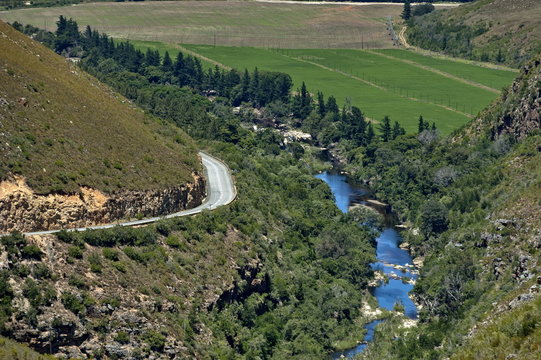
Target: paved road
point(220, 191)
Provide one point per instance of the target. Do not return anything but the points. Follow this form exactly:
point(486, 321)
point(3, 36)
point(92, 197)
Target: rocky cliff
point(518, 112)
point(23, 210)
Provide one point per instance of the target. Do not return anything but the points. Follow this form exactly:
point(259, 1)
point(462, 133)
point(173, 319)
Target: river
point(389, 255)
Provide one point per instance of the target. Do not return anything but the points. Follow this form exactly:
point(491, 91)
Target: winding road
point(220, 191)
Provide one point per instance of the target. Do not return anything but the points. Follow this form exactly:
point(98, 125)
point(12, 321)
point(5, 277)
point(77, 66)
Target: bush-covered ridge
point(500, 31)
point(62, 129)
point(475, 201)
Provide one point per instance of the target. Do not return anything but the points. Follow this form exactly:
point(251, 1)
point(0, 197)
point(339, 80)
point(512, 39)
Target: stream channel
point(388, 254)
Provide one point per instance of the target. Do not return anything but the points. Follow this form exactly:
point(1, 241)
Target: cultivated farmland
point(377, 84)
point(227, 23)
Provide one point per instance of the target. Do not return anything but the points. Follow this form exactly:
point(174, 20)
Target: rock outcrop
point(518, 112)
point(23, 210)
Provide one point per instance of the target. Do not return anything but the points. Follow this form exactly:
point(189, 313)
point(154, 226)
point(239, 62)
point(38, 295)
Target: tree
point(385, 129)
point(331, 105)
point(406, 13)
point(433, 217)
point(422, 125)
point(321, 104)
point(370, 134)
point(397, 130)
point(167, 64)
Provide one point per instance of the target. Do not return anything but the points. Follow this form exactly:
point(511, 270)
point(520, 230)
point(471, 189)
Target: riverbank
point(395, 270)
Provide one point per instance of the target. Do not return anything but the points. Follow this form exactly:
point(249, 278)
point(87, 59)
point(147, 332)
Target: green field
point(493, 78)
point(378, 85)
point(232, 23)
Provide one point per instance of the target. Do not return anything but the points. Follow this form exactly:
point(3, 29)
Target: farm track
point(199, 56)
point(436, 71)
point(378, 86)
point(403, 38)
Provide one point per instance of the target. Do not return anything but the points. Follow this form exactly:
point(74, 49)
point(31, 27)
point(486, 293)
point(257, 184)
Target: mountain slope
point(473, 202)
point(502, 31)
point(64, 134)
point(62, 129)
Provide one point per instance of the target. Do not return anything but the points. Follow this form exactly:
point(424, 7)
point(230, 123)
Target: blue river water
point(388, 255)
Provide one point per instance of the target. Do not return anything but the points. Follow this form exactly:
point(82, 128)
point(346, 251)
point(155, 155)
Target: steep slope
point(75, 152)
point(503, 31)
point(474, 203)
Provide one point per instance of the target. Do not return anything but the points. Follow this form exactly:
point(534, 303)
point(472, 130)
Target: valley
point(270, 180)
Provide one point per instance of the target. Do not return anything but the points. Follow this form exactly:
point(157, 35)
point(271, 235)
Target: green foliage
point(31, 252)
point(111, 254)
point(155, 340)
point(122, 337)
point(73, 303)
point(75, 252)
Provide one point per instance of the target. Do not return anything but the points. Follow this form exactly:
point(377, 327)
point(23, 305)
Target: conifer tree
point(321, 109)
point(385, 129)
point(406, 13)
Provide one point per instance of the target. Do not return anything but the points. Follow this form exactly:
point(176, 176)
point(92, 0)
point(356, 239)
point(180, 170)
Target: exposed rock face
point(23, 210)
point(518, 112)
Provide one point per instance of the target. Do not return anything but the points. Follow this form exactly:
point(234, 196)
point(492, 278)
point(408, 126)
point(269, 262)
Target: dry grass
point(61, 128)
point(227, 23)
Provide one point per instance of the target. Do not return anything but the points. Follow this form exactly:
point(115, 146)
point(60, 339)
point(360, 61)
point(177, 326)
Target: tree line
point(175, 88)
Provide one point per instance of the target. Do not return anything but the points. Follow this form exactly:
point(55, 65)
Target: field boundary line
point(348, 3)
point(470, 116)
point(436, 71)
point(197, 55)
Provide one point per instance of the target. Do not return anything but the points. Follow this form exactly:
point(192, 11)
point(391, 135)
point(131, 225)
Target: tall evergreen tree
point(167, 63)
point(385, 129)
point(332, 107)
point(321, 109)
point(421, 125)
point(370, 133)
point(397, 130)
point(254, 87)
point(406, 12)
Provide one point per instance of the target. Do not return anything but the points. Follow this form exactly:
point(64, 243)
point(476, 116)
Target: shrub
point(173, 241)
point(65, 236)
point(75, 252)
point(155, 340)
point(95, 263)
point(120, 266)
point(41, 271)
point(134, 254)
point(73, 303)
point(31, 252)
point(122, 337)
point(78, 282)
point(111, 254)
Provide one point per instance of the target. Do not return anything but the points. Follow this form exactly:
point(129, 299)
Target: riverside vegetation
point(279, 273)
point(291, 277)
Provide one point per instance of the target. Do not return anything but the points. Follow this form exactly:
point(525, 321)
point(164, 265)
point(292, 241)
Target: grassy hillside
point(10, 350)
point(502, 31)
point(61, 128)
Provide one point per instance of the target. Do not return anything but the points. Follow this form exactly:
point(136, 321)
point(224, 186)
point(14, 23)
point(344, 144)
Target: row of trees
point(156, 82)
